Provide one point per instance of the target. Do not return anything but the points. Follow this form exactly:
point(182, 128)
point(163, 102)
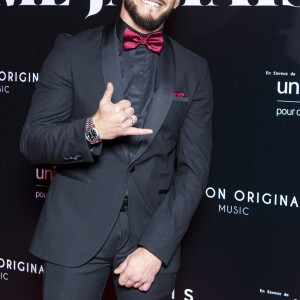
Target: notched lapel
point(163, 96)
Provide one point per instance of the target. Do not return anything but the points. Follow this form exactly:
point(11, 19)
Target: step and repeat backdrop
point(244, 241)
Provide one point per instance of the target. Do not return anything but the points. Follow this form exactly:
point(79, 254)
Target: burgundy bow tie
point(153, 41)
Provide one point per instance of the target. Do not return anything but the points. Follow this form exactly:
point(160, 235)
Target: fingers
point(116, 119)
point(130, 121)
point(123, 104)
point(121, 268)
point(145, 287)
point(137, 131)
point(129, 280)
point(129, 112)
point(124, 281)
point(108, 93)
point(129, 284)
point(138, 284)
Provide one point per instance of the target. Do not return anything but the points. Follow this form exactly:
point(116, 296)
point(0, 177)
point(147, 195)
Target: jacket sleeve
point(48, 135)
point(170, 222)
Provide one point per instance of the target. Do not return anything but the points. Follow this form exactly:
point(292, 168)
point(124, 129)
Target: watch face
point(92, 135)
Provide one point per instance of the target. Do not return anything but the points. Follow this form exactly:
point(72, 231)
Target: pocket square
point(177, 94)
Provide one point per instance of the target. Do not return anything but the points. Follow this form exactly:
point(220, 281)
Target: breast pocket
point(181, 99)
point(177, 112)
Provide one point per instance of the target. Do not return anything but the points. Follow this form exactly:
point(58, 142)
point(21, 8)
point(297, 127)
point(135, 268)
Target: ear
point(177, 2)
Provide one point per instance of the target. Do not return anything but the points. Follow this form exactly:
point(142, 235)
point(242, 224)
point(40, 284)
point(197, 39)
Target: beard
point(145, 22)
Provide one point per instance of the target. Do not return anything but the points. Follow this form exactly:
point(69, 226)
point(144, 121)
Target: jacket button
point(132, 169)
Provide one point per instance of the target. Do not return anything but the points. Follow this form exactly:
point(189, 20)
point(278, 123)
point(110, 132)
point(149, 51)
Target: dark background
point(225, 256)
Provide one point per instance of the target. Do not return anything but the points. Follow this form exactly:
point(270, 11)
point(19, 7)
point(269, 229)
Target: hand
point(112, 119)
point(139, 269)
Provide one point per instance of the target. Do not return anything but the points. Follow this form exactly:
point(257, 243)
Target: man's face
point(148, 15)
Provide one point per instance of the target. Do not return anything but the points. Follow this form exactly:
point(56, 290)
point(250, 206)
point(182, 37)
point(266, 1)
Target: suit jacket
point(166, 178)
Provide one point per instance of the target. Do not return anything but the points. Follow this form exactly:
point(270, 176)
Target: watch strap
point(91, 133)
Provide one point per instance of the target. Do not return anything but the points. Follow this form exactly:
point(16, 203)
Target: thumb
point(121, 268)
point(108, 93)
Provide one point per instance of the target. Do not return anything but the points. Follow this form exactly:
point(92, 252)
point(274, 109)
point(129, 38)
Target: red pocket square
point(176, 94)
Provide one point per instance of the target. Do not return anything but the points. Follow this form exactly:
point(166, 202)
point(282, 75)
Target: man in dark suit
point(131, 169)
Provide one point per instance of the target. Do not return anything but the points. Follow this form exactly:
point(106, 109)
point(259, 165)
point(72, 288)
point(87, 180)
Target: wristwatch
point(91, 133)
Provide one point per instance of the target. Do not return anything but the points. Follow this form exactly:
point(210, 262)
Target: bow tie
point(153, 41)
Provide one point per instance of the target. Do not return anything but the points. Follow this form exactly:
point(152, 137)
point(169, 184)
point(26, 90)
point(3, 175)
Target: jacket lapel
point(110, 61)
point(162, 99)
point(111, 69)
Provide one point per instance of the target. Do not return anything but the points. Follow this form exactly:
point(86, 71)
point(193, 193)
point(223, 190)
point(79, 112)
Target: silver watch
point(91, 133)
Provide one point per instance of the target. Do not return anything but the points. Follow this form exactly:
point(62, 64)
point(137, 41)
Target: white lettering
point(240, 3)
point(110, 3)
point(210, 192)
point(221, 194)
point(236, 210)
point(35, 77)
point(294, 201)
point(4, 276)
point(188, 293)
point(10, 2)
point(283, 200)
point(3, 76)
point(241, 198)
point(41, 270)
point(37, 173)
point(40, 195)
point(246, 3)
point(21, 266)
point(22, 78)
point(8, 264)
point(291, 87)
point(287, 2)
point(197, 3)
point(250, 197)
point(52, 2)
point(95, 7)
point(10, 76)
point(279, 90)
point(266, 201)
point(28, 2)
point(33, 268)
point(285, 112)
point(3, 263)
point(4, 89)
point(266, 3)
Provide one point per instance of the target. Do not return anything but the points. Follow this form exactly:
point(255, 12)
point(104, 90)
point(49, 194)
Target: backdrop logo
point(7, 265)
point(287, 93)
point(9, 77)
point(188, 295)
point(43, 178)
point(239, 202)
point(240, 3)
point(96, 5)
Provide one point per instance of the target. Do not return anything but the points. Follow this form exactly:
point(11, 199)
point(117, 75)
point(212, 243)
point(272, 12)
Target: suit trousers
point(87, 282)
